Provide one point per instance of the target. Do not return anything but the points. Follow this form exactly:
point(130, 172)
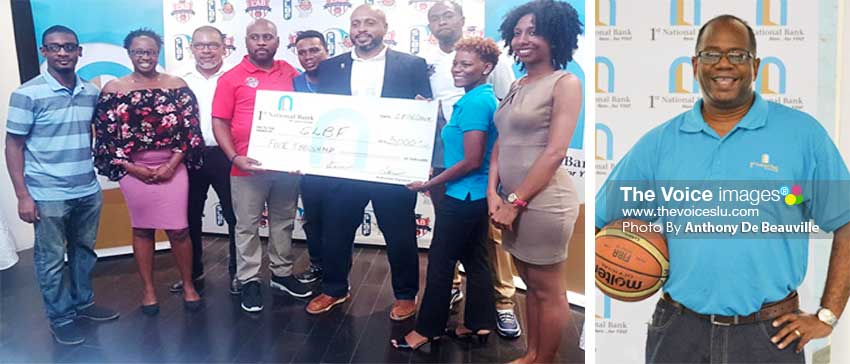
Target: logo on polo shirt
point(337, 7)
point(767, 14)
point(182, 11)
point(793, 195)
point(252, 82)
point(764, 163)
point(771, 76)
point(258, 9)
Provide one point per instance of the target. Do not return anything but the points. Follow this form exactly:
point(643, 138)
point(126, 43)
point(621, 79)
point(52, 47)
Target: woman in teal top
point(460, 228)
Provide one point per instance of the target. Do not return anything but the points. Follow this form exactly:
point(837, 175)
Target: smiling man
point(49, 158)
point(253, 188)
point(734, 299)
point(371, 70)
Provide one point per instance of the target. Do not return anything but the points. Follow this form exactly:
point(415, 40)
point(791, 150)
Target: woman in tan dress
point(530, 198)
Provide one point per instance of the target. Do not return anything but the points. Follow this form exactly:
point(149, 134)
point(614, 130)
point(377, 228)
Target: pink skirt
point(157, 206)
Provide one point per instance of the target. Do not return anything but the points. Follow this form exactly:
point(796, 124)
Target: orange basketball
point(631, 260)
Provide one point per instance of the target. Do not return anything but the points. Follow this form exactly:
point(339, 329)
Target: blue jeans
point(76, 222)
point(676, 336)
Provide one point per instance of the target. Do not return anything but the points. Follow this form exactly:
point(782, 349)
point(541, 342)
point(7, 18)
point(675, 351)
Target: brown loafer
point(324, 303)
point(403, 310)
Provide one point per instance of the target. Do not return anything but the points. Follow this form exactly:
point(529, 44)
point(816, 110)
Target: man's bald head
point(368, 27)
point(261, 24)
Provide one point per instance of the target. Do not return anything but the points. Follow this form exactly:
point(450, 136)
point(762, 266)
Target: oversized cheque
point(371, 139)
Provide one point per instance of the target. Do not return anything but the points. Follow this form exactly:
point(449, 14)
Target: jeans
point(676, 336)
point(460, 233)
point(73, 221)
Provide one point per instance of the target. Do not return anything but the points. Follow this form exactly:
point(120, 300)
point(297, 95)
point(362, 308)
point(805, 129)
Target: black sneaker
point(67, 334)
point(252, 296)
point(507, 326)
point(312, 274)
point(97, 313)
point(457, 296)
point(291, 285)
point(235, 287)
point(177, 287)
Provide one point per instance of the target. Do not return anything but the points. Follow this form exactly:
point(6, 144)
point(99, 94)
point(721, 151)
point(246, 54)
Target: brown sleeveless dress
point(543, 229)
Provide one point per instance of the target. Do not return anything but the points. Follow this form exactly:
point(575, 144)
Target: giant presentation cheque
point(370, 139)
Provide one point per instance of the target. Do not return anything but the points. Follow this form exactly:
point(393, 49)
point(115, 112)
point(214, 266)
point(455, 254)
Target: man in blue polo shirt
point(49, 158)
point(731, 297)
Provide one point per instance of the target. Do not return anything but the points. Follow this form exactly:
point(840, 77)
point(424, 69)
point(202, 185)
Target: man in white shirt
point(208, 51)
point(376, 71)
point(446, 21)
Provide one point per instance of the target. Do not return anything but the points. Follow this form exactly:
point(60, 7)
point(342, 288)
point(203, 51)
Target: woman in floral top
point(147, 133)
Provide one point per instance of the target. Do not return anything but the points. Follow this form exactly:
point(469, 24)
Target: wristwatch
point(827, 317)
point(513, 199)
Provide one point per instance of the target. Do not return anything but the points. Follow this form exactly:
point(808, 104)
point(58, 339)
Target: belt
point(768, 312)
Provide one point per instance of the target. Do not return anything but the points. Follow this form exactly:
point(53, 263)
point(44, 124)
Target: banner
point(644, 78)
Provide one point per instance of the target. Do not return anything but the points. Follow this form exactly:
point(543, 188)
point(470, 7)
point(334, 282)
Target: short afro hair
point(142, 32)
point(58, 29)
point(485, 48)
point(306, 34)
point(728, 18)
point(555, 21)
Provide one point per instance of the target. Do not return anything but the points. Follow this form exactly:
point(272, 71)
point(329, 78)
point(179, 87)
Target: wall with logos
point(644, 77)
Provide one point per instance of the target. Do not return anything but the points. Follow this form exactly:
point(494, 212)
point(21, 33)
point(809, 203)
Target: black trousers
point(460, 233)
point(314, 197)
point(216, 173)
point(394, 209)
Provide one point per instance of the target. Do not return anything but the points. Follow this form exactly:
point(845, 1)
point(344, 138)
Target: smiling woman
point(147, 128)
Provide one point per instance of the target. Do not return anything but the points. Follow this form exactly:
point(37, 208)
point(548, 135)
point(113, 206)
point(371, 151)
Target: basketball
point(632, 261)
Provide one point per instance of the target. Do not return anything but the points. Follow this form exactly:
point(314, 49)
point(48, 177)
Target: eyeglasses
point(144, 52)
point(210, 46)
point(68, 47)
point(734, 57)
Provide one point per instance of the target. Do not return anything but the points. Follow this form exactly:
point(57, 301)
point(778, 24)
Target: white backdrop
point(644, 78)
point(408, 32)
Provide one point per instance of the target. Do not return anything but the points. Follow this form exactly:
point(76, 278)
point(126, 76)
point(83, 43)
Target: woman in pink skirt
point(148, 133)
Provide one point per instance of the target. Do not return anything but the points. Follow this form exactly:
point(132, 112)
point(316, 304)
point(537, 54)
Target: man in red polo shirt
point(252, 188)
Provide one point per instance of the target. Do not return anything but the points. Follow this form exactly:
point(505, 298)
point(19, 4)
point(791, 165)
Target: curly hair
point(142, 32)
point(556, 21)
point(485, 48)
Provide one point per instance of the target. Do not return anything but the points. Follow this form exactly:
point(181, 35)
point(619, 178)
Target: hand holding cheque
point(379, 140)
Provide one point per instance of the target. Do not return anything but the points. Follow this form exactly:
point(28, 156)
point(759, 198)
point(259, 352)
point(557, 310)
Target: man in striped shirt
point(49, 158)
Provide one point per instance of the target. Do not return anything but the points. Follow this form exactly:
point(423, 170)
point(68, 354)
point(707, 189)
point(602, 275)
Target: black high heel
point(400, 343)
point(193, 306)
point(480, 337)
point(151, 309)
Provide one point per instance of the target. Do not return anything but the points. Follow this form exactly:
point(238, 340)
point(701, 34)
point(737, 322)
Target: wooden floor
point(357, 332)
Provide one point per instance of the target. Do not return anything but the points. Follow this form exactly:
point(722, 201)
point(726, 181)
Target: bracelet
point(234, 158)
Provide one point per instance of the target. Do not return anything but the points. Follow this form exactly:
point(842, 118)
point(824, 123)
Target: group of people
point(166, 139)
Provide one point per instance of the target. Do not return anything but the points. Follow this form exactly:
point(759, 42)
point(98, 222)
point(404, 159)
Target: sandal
point(400, 343)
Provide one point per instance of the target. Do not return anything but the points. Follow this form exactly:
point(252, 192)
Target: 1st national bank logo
point(606, 23)
point(685, 20)
point(682, 87)
point(604, 153)
point(771, 12)
point(772, 83)
point(605, 96)
point(772, 22)
point(606, 320)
